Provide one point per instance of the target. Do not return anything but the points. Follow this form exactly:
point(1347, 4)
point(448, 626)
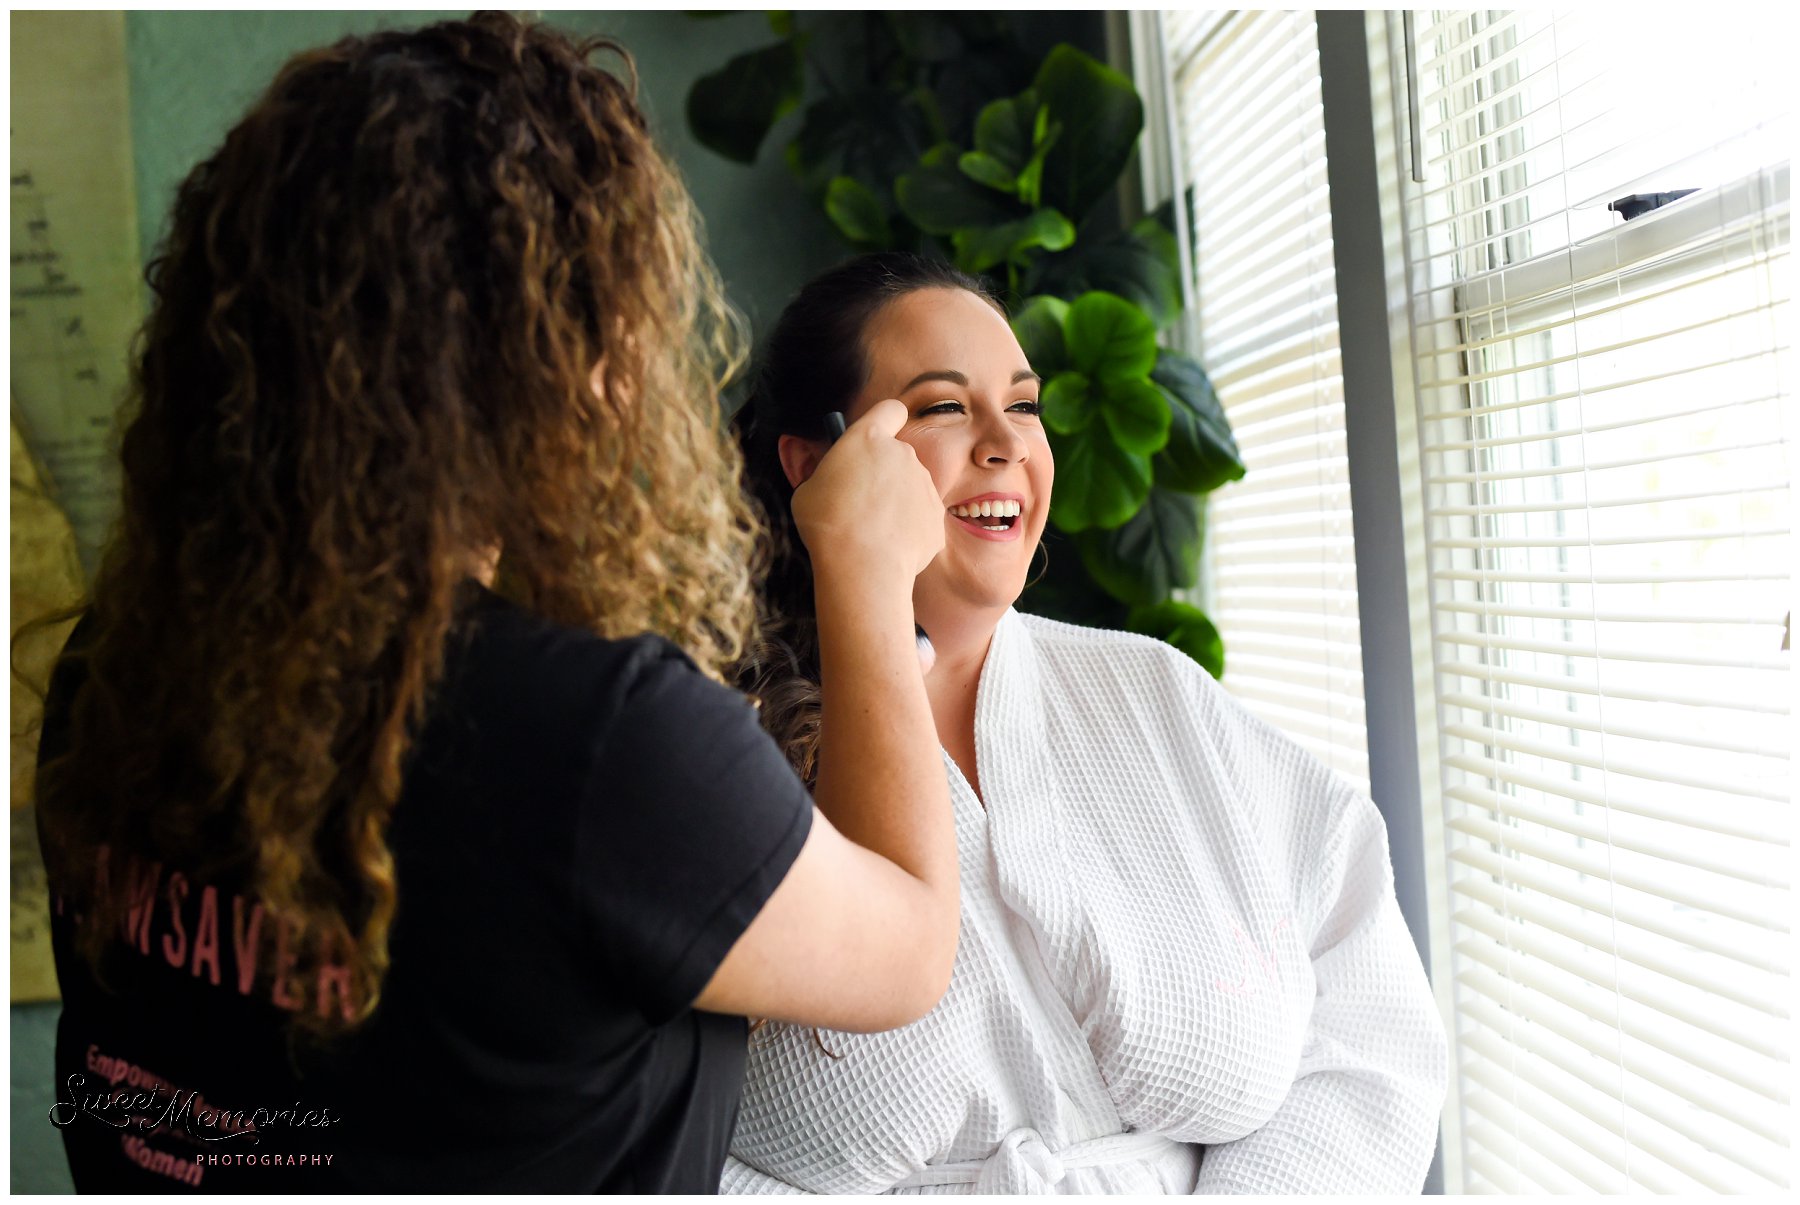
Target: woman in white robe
point(1182, 967)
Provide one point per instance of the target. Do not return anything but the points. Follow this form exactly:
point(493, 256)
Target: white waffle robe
point(1181, 969)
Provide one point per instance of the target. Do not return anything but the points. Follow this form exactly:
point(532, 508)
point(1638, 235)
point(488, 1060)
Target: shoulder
point(1111, 666)
point(539, 684)
point(504, 646)
point(1107, 651)
point(1124, 681)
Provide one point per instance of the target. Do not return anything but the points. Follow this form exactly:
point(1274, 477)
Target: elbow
point(906, 1002)
point(933, 982)
point(938, 959)
point(921, 984)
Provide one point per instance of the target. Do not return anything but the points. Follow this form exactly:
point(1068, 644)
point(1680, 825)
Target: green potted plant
point(1018, 184)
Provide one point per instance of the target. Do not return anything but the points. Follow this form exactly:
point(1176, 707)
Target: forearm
point(860, 935)
point(881, 777)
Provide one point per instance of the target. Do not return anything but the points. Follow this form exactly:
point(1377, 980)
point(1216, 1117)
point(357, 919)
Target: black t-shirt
point(586, 828)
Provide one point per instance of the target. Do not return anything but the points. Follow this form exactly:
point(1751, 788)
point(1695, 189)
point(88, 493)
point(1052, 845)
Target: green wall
point(194, 73)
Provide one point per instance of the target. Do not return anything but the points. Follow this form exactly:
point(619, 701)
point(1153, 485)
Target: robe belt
point(1023, 1164)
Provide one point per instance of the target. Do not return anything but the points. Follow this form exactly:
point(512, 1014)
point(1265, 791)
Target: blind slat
point(1553, 1152)
point(1687, 1050)
point(1563, 648)
point(1598, 866)
point(1644, 986)
point(1494, 674)
point(1749, 950)
point(1512, 742)
point(1525, 1079)
point(1751, 862)
point(1560, 1069)
point(1759, 993)
point(1750, 821)
point(1569, 718)
point(1745, 491)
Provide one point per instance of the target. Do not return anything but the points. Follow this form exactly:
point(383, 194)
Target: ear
point(799, 457)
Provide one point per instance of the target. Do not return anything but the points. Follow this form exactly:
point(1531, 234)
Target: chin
point(993, 596)
point(967, 595)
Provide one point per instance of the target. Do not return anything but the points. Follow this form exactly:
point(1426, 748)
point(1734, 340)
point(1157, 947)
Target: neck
point(960, 639)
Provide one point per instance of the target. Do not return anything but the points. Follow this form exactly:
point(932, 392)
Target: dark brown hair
point(813, 362)
point(437, 293)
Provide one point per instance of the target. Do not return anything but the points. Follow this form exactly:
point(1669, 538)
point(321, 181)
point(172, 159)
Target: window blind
point(1281, 558)
point(1606, 419)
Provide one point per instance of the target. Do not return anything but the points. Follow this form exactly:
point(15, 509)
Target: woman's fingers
point(871, 501)
point(884, 418)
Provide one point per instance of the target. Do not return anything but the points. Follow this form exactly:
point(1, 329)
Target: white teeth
point(987, 510)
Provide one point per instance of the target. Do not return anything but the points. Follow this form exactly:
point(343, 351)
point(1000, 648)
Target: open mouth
point(996, 516)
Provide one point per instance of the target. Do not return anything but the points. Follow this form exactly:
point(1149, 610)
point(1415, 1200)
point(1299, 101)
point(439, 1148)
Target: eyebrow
point(957, 378)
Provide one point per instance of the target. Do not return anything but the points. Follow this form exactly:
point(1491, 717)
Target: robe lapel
point(1047, 930)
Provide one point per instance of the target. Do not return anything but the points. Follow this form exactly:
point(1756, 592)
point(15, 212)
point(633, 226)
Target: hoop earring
point(1040, 573)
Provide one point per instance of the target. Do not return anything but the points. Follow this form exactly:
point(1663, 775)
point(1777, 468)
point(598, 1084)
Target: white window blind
point(1606, 419)
point(1283, 572)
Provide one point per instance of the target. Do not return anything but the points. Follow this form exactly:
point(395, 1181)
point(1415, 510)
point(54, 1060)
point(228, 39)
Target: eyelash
point(1036, 409)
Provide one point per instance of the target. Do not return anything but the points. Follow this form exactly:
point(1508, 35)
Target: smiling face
point(972, 402)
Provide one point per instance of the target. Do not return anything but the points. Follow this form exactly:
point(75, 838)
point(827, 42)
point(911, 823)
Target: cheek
point(1043, 476)
point(941, 464)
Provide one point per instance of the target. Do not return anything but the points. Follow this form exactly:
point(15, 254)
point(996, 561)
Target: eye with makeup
point(1024, 406)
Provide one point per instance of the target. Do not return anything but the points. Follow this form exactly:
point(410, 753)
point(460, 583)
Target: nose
point(998, 443)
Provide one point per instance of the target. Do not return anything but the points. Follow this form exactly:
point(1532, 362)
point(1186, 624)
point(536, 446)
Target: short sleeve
point(690, 820)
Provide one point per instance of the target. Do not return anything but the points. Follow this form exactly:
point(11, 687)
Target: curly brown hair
point(437, 293)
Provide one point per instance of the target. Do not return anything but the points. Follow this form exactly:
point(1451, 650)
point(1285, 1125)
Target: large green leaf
point(1039, 328)
point(1137, 415)
point(1098, 483)
point(1109, 338)
point(939, 199)
point(857, 212)
point(1185, 627)
point(925, 103)
point(1201, 454)
point(1141, 265)
point(985, 169)
point(1101, 118)
point(864, 134)
point(993, 67)
point(979, 248)
point(1031, 178)
point(1005, 130)
point(1065, 401)
point(731, 109)
point(1151, 554)
point(816, 153)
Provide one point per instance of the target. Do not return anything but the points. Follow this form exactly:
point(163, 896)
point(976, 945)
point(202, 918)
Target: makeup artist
point(402, 834)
